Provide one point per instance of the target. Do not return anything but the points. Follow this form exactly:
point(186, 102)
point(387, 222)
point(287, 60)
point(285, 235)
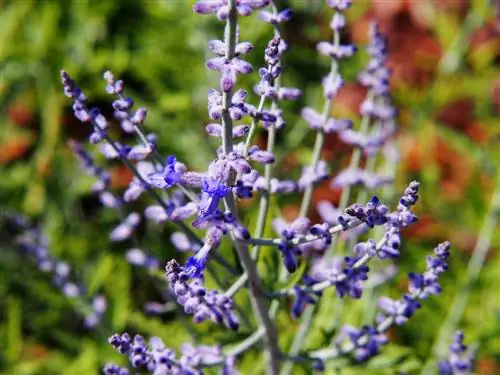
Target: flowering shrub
point(212, 196)
point(209, 209)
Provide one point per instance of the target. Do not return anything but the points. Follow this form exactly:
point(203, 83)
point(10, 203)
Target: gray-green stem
point(258, 300)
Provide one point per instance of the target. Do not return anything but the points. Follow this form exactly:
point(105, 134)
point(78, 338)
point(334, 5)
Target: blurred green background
point(445, 56)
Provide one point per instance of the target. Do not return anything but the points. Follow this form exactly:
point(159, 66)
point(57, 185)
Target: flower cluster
point(158, 359)
point(460, 360)
point(203, 304)
point(367, 341)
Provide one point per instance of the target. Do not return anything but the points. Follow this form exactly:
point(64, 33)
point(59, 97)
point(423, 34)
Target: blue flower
point(212, 192)
point(170, 175)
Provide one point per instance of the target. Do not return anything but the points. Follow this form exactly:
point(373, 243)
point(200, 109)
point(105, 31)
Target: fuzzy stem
point(258, 300)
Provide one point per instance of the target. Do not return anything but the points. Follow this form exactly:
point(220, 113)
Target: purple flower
point(112, 369)
point(228, 70)
point(126, 228)
point(367, 341)
point(289, 231)
point(460, 360)
point(237, 109)
point(229, 367)
point(212, 192)
point(274, 51)
point(336, 51)
point(373, 213)
point(339, 5)
point(138, 257)
point(182, 242)
point(302, 297)
point(332, 84)
point(400, 310)
point(203, 304)
point(357, 176)
point(419, 288)
point(99, 306)
point(88, 164)
point(170, 175)
point(427, 283)
point(221, 7)
point(376, 75)
point(137, 186)
point(328, 125)
point(275, 19)
point(311, 175)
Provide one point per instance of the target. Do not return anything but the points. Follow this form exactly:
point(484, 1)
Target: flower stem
point(258, 300)
point(307, 315)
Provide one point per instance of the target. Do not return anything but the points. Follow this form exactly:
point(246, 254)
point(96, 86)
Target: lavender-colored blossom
point(460, 360)
point(332, 84)
point(289, 231)
point(158, 359)
point(228, 69)
point(182, 242)
point(274, 51)
point(317, 122)
point(203, 304)
point(137, 186)
point(376, 75)
point(129, 121)
point(112, 369)
point(419, 288)
point(328, 212)
point(229, 367)
point(99, 307)
point(170, 175)
point(357, 176)
point(311, 175)
point(126, 228)
point(88, 164)
point(215, 130)
point(221, 7)
point(339, 5)
point(367, 341)
point(427, 283)
point(336, 51)
point(109, 200)
point(275, 185)
point(276, 18)
point(237, 109)
point(303, 298)
point(212, 193)
point(372, 213)
point(138, 257)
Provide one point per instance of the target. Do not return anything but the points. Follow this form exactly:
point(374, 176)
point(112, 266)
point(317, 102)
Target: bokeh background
point(445, 56)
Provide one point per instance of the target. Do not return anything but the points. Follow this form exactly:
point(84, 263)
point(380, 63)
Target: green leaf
point(119, 291)
point(100, 273)
point(14, 335)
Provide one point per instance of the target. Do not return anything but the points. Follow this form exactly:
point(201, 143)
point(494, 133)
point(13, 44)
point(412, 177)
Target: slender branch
point(307, 315)
point(300, 239)
point(253, 126)
point(355, 159)
point(327, 283)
